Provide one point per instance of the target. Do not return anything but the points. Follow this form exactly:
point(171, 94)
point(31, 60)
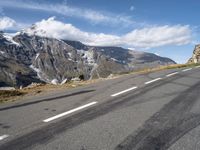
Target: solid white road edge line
point(151, 81)
point(187, 69)
point(171, 74)
point(69, 112)
point(3, 137)
point(127, 90)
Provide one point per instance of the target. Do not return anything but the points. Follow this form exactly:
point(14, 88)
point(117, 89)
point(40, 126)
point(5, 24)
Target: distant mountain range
point(27, 57)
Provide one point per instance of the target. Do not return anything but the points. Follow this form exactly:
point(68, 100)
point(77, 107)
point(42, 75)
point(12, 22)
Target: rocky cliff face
point(196, 55)
point(27, 58)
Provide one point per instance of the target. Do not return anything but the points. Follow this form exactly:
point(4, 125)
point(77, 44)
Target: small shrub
point(81, 77)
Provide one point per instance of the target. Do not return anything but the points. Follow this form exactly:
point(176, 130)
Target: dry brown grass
point(160, 68)
point(10, 95)
point(13, 95)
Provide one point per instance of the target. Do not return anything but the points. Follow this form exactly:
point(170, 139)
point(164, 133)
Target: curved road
point(153, 111)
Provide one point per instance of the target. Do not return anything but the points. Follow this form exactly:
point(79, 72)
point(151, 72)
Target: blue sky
point(167, 28)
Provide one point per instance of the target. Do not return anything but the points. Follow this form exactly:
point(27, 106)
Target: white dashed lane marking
point(151, 81)
point(3, 137)
point(171, 74)
point(69, 112)
point(127, 90)
point(187, 69)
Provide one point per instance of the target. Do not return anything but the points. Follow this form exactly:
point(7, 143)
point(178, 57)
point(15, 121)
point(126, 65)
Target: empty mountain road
point(153, 111)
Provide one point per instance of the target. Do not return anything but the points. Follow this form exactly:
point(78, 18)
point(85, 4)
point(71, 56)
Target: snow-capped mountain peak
point(34, 30)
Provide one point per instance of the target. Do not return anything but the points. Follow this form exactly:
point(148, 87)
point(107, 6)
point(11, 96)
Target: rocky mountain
point(196, 55)
point(26, 58)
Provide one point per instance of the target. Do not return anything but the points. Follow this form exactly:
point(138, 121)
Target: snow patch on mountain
point(37, 55)
point(35, 69)
point(10, 39)
point(2, 52)
point(88, 56)
point(115, 59)
point(40, 74)
point(70, 54)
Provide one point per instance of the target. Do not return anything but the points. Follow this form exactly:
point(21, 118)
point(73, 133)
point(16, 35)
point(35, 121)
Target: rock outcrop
point(196, 55)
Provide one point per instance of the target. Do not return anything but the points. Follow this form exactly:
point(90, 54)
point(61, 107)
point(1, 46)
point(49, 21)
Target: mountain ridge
point(50, 60)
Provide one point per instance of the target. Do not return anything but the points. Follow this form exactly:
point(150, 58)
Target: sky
point(167, 28)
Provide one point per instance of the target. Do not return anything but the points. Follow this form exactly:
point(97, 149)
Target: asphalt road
point(153, 111)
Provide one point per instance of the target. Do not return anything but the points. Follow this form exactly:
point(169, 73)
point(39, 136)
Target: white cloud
point(159, 36)
point(56, 29)
point(9, 23)
point(6, 23)
point(139, 38)
point(70, 11)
